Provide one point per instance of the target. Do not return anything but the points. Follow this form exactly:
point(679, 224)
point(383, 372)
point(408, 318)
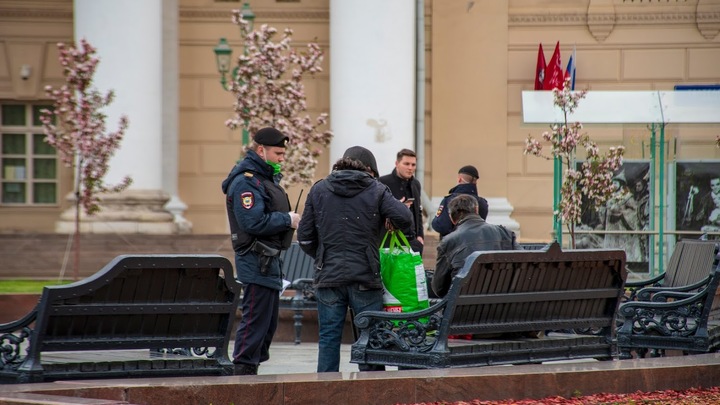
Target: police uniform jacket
point(441, 223)
point(257, 210)
point(471, 234)
point(342, 227)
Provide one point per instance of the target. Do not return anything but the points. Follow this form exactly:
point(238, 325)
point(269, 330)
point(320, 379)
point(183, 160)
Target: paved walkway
point(289, 358)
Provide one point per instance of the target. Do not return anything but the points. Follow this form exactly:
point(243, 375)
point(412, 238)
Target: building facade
point(157, 55)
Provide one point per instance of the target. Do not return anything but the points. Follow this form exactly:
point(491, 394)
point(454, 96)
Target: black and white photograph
point(628, 210)
point(697, 196)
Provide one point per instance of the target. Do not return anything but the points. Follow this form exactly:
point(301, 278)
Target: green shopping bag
point(403, 275)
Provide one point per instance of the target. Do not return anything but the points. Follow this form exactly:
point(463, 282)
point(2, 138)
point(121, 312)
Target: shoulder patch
point(248, 174)
point(247, 199)
point(439, 211)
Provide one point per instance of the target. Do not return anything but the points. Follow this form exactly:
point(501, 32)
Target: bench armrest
point(304, 289)
point(20, 323)
point(664, 296)
point(646, 294)
point(635, 286)
point(14, 337)
point(403, 331)
point(646, 282)
point(684, 317)
point(301, 283)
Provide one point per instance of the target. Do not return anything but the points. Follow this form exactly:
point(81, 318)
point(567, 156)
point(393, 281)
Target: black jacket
point(409, 189)
point(471, 234)
point(342, 227)
point(441, 223)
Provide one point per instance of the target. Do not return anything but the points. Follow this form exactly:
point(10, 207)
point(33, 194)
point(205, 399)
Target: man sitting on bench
point(471, 234)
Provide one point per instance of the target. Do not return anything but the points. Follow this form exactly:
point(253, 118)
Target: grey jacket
point(471, 234)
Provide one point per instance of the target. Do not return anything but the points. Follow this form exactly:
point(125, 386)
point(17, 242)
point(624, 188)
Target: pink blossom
point(269, 91)
point(76, 126)
point(594, 179)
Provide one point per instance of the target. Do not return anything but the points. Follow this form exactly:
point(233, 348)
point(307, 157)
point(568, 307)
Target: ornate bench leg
point(298, 324)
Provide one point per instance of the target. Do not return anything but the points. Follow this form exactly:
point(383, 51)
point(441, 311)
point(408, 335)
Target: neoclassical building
point(458, 103)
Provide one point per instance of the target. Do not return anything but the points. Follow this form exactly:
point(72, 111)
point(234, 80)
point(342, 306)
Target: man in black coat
point(466, 184)
point(341, 228)
point(406, 188)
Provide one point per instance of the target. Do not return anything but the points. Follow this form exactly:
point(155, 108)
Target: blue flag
point(570, 71)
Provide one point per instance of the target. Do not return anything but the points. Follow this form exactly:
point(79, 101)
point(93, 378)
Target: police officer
point(466, 184)
point(261, 225)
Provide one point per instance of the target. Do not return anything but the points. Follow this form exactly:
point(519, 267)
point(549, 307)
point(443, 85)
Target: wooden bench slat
point(108, 309)
point(537, 297)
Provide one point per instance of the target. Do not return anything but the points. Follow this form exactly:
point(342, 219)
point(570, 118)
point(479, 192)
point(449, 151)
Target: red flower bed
point(692, 396)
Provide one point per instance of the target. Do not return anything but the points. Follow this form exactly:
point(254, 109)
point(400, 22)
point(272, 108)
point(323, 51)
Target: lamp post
point(223, 57)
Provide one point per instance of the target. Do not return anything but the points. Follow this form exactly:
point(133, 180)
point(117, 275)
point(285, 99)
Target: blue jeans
point(333, 304)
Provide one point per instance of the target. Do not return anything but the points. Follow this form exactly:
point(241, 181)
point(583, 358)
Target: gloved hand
point(294, 219)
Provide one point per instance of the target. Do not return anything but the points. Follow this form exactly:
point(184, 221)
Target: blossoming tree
point(593, 178)
point(75, 127)
point(269, 91)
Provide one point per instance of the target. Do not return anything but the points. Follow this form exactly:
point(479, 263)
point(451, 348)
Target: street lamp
point(223, 52)
point(223, 57)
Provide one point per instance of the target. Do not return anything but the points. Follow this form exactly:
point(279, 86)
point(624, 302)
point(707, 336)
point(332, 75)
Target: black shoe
point(245, 369)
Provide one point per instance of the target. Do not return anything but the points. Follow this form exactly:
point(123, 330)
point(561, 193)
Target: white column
point(136, 42)
point(372, 77)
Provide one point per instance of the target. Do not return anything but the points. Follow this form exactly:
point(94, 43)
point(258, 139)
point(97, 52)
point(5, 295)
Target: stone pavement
point(289, 358)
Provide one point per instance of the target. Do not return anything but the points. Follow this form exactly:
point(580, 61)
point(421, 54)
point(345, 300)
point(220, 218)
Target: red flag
point(554, 73)
point(540, 69)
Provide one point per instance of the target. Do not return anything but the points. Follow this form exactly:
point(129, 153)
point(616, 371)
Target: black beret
point(270, 137)
point(469, 170)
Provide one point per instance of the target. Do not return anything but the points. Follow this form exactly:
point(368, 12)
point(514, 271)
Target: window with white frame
point(29, 165)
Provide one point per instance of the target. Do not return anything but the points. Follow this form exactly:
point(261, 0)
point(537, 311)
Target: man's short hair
point(462, 206)
point(405, 152)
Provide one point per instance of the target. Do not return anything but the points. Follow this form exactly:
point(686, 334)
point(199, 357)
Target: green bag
point(403, 275)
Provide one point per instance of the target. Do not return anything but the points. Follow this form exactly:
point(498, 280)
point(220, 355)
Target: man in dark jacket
point(466, 184)
point(341, 229)
point(471, 234)
point(261, 225)
point(406, 188)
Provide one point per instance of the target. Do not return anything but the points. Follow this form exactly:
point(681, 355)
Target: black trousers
point(260, 307)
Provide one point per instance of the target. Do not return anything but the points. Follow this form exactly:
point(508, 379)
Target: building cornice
point(66, 13)
point(35, 14)
point(618, 18)
point(261, 15)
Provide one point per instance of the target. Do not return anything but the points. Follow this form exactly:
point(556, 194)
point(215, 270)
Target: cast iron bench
point(505, 292)
point(144, 316)
point(298, 268)
point(688, 268)
point(673, 319)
